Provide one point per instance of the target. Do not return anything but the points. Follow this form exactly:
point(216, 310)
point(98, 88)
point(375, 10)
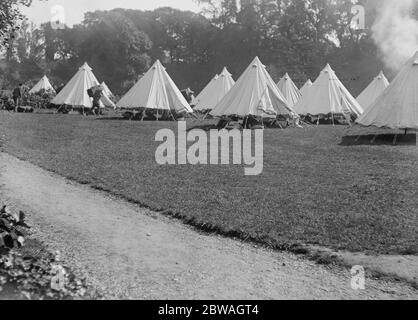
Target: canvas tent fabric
point(289, 90)
point(306, 87)
point(106, 90)
point(205, 92)
point(327, 95)
point(106, 101)
point(42, 84)
point(373, 91)
point(397, 106)
point(255, 93)
point(215, 91)
point(155, 90)
point(75, 92)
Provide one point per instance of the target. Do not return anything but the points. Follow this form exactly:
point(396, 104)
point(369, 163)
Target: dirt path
point(129, 252)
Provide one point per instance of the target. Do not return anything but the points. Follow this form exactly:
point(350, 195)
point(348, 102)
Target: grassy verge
point(319, 186)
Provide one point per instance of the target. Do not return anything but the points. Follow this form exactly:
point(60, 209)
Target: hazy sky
point(74, 9)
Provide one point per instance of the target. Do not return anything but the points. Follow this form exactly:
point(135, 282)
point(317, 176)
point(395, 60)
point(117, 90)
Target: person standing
point(96, 93)
point(17, 96)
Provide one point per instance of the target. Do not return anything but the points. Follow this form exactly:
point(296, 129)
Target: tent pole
point(157, 114)
point(204, 118)
point(172, 116)
point(333, 120)
point(245, 122)
point(374, 139)
point(395, 138)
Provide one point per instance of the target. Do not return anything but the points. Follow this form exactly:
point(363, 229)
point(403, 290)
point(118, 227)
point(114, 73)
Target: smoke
point(396, 32)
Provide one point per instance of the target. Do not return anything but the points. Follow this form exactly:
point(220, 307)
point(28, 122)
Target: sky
point(74, 10)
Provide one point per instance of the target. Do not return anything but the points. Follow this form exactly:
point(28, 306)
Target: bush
point(10, 236)
point(28, 276)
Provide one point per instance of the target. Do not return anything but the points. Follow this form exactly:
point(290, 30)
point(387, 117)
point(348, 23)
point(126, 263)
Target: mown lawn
point(315, 189)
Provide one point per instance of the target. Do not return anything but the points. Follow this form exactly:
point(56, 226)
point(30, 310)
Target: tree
point(113, 45)
point(10, 16)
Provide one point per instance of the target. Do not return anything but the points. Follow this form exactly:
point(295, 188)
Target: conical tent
point(155, 90)
point(289, 90)
point(42, 84)
point(255, 93)
point(106, 90)
point(306, 87)
point(373, 91)
point(328, 95)
point(75, 92)
point(205, 92)
point(397, 106)
point(215, 91)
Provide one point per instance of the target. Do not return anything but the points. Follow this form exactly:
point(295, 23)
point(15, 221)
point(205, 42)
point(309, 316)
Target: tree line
point(294, 36)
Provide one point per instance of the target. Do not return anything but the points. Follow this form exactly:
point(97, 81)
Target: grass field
point(316, 188)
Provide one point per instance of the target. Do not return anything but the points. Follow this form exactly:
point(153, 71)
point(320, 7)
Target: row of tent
point(75, 92)
point(381, 104)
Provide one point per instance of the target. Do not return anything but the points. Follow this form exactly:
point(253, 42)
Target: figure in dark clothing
point(96, 93)
point(17, 96)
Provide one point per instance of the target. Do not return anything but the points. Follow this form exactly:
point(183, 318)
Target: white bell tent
point(373, 91)
point(215, 91)
point(157, 91)
point(43, 85)
point(328, 95)
point(397, 106)
point(289, 89)
point(256, 94)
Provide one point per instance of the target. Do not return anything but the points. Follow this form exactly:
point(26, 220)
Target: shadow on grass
point(112, 119)
point(380, 139)
point(133, 120)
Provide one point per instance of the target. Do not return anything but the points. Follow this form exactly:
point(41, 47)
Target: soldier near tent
point(75, 93)
point(96, 93)
point(17, 96)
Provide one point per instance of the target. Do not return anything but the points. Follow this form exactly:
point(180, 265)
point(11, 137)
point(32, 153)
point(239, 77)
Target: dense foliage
point(293, 36)
point(26, 275)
